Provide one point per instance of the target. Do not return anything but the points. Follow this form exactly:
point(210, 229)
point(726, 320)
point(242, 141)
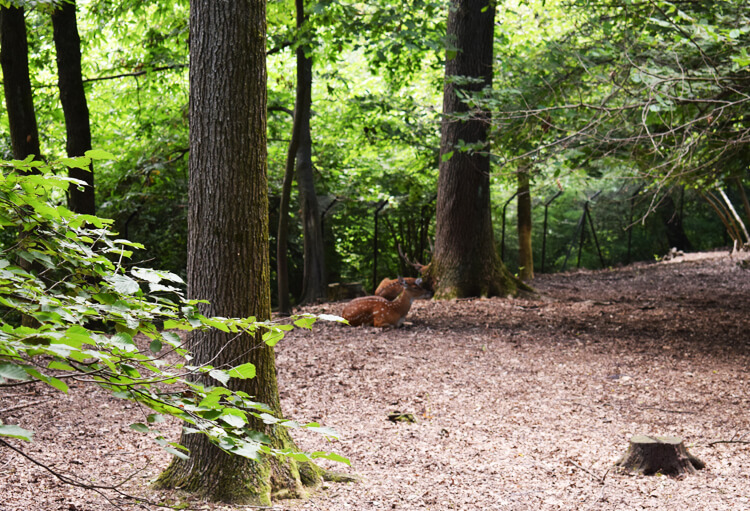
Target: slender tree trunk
point(743, 195)
point(24, 135)
point(314, 277)
point(228, 261)
point(465, 261)
point(525, 253)
point(73, 99)
point(282, 255)
point(672, 219)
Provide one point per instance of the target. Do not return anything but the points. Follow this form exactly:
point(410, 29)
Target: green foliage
point(584, 92)
point(73, 308)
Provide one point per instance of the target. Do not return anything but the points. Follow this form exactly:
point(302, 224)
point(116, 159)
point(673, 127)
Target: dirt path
point(519, 404)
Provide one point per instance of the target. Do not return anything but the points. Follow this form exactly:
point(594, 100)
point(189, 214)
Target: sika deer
point(381, 312)
point(391, 288)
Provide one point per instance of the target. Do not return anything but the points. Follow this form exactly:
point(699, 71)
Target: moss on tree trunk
point(228, 257)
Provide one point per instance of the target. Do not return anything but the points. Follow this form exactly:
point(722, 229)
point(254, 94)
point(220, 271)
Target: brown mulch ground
point(519, 404)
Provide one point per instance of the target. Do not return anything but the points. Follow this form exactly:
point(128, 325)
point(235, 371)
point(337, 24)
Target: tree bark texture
point(14, 59)
point(525, 253)
point(75, 108)
point(314, 283)
point(465, 262)
point(228, 260)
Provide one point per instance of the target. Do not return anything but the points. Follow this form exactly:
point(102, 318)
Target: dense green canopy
point(616, 96)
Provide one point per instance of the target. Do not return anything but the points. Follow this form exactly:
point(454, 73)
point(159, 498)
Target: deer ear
point(401, 281)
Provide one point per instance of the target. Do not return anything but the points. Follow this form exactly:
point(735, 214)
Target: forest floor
point(520, 404)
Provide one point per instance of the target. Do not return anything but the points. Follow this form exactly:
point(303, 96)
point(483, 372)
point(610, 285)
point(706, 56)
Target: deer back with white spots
point(381, 312)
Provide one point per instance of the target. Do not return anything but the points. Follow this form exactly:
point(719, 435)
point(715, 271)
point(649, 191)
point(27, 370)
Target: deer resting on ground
point(381, 312)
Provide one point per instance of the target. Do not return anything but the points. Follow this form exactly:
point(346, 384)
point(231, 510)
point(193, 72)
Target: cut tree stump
point(659, 454)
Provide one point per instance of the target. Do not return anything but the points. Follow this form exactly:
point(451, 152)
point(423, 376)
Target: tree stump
point(663, 454)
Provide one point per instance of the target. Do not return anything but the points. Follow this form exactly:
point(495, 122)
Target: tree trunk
point(465, 262)
point(24, 135)
point(672, 219)
point(73, 99)
point(667, 455)
point(228, 261)
point(525, 253)
point(314, 285)
point(282, 256)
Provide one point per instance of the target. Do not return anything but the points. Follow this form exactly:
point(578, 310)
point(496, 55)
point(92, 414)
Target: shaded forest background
point(625, 115)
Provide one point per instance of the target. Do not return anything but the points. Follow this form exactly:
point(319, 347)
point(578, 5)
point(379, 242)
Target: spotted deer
point(391, 288)
point(381, 312)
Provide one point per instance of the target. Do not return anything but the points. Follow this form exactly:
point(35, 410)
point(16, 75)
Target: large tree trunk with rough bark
point(24, 135)
point(228, 261)
point(525, 252)
point(465, 261)
point(75, 108)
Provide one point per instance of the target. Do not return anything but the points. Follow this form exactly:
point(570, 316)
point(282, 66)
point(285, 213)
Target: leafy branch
point(71, 310)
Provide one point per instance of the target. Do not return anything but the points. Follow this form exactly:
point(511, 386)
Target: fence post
point(502, 237)
point(630, 219)
point(582, 227)
point(375, 247)
point(593, 232)
point(544, 234)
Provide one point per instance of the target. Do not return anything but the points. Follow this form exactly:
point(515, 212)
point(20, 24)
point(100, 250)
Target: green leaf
point(12, 371)
point(80, 162)
point(218, 374)
point(155, 346)
point(58, 384)
point(12, 431)
point(248, 450)
point(141, 428)
point(233, 420)
point(155, 418)
point(306, 322)
point(331, 317)
point(272, 337)
point(146, 274)
point(99, 154)
point(447, 156)
point(243, 372)
point(123, 284)
point(175, 452)
point(216, 323)
point(124, 342)
point(60, 366)
point(331, 456)
point(323, 430)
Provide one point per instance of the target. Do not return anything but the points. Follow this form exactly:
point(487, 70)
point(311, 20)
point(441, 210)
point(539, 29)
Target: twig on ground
point(711, 444)
point(600, 479)
point(24, 405)
point(88, 486)
point(665, 410)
